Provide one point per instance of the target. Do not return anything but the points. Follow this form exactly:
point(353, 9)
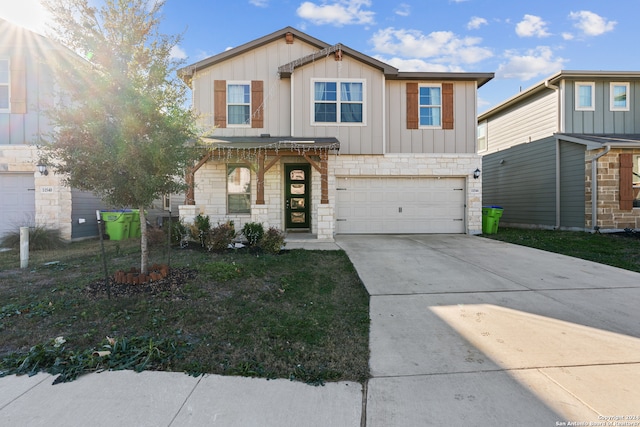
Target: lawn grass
point(619, 249)
point(300, 314)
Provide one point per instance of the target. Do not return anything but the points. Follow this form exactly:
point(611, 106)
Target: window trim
point(8, 85)
point(338, 102)
point(228, 193)
point(440, 106)
point(482, 125)
point(228, 104)
point(577, 86)
point(611, 100)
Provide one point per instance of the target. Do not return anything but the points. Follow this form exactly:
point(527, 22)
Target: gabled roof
point(550, 81)
point(324, 49)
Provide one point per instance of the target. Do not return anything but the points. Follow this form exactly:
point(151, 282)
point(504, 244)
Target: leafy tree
point(120, 129)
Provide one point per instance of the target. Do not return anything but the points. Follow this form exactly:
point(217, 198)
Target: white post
point(24, 247)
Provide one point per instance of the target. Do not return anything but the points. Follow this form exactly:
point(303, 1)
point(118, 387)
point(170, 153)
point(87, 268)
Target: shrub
point(179, 233)
point(220, 237)
point(253, 232)
point(40, 238)
point(156, 236)
point(200, 228)
point(272, 241)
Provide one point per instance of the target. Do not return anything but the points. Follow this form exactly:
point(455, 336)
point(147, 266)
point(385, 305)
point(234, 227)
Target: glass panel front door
point(297, 183)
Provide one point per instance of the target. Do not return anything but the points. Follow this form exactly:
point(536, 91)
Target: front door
point(297, 200)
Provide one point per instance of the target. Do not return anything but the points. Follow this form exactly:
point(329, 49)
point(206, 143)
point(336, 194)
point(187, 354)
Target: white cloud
point(534, 63)
point(439, 46)
point(178, 53)
point(590, 23)
point(259, 3)
point(339, 13)
point(476, 22)
point(409, 65)
point(403, 9)
point(568, 36)
point(532, 26)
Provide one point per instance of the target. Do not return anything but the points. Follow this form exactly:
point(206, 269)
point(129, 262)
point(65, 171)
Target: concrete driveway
point(469, 331)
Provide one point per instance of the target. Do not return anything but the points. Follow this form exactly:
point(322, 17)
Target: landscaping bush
point(40, 238)
point(220, 237)
point(179, 233)
point(200, 228)
point(253, 232)
point(272, 241)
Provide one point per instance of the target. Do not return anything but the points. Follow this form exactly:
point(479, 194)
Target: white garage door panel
point(18, 201)
point(400, 205)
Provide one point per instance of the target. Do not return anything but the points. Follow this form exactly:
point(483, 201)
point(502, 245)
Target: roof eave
point(480, 78)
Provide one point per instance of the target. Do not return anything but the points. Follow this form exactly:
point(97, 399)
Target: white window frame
point(8, 85)
point(339, 102)
point(239, 191)
point(482, 134)
point(592, 107)
point(438, 106)
point(612, 107)
point(238, 83)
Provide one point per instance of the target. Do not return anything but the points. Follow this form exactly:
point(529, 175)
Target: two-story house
point(565, 153)
point(319, 138)
point(27, 89)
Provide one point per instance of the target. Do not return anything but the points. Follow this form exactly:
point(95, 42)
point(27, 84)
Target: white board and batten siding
point(397, 205)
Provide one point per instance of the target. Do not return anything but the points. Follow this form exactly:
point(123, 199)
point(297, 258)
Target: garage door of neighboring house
point(17, 191)
point(400, 205)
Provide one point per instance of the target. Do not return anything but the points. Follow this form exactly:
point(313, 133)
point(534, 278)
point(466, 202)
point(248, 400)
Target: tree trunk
point(144, 247)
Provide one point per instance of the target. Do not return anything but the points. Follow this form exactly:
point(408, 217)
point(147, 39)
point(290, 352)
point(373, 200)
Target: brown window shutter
point(447, 105)
point(626, 181)
point(220, 103)
point(257, 109)
point(18, 80)
point(412, 106)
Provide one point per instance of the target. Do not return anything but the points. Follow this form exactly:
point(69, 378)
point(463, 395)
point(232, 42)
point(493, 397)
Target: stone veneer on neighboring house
point(609, 214)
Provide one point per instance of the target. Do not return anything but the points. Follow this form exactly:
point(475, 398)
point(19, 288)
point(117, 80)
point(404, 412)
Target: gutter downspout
point(594, 187)
point(557, 89)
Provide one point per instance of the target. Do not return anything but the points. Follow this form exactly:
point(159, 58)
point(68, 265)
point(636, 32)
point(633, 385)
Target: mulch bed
point(171, 284)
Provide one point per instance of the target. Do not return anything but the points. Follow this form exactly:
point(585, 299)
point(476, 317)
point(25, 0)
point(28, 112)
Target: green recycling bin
point(491, 218)
point(116, 224)
point(134, 229)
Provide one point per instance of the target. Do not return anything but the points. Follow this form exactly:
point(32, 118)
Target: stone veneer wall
point(53, 209)
point(210, 192)
point(609, 215)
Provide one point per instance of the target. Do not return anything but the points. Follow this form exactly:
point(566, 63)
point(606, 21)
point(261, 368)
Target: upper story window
point(239, 104)
point(482, 136)
point(585, 96)
point(619, 94)
point(430, 101)
point(339, 101)
point(4, 85)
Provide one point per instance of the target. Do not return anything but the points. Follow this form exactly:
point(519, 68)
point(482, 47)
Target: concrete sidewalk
point(465, 331)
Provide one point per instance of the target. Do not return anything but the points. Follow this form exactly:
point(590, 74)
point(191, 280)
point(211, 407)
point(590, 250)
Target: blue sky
point(522, 42)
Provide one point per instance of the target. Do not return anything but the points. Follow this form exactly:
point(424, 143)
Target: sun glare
point(29, 14)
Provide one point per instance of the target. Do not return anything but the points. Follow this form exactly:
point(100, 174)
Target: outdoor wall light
point(42, 168)
point(476, 173)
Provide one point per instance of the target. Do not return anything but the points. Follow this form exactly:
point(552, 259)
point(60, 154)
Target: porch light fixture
point(476, 173)
point(42, 168)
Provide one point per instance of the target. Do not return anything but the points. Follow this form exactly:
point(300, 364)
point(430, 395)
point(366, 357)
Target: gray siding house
point(319, 138)
point(565, 153)
point(30, 198)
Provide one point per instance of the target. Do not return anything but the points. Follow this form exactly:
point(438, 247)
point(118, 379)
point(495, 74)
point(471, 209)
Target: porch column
point(260, 182)
point(324, 178)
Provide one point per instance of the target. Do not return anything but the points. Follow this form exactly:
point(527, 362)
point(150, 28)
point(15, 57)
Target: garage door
point(17, 191)
point(400, 205)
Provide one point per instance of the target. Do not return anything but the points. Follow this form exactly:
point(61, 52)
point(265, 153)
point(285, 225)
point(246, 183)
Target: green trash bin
point(491, 218)
point(134, 229)
point(116, 224)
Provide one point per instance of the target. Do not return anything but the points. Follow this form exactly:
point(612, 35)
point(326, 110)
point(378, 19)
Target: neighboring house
point(318, 138)
point(565, 153)
point(28, 197)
